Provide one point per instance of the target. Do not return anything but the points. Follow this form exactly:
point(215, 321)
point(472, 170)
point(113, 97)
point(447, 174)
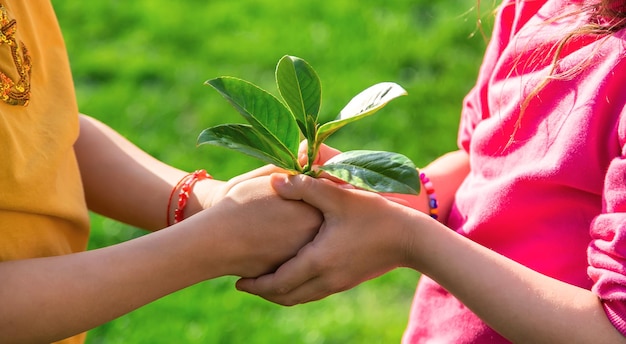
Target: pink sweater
point(555, 199)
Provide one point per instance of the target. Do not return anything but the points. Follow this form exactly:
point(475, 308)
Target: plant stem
point(312, 149)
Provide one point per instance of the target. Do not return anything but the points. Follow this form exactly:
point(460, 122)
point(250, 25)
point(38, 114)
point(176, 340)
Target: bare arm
point(120, 180)
point(47, 299)
point(356, 243)
point(523, 305)
point(125, 183)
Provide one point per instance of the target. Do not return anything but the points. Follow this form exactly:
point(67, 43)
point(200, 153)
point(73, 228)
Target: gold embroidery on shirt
point(14, 92)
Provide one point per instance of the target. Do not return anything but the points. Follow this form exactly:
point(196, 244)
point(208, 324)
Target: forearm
point(521, 304)
point(47, 299)
point(123, 182)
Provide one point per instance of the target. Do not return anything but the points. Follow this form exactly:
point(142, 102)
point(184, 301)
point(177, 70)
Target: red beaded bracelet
point(432, 198)
point(185, 185)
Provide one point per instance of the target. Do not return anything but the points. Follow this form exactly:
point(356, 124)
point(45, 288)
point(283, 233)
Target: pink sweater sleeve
point(607, 251)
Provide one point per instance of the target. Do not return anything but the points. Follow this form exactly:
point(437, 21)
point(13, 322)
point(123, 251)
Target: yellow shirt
point(42, 205)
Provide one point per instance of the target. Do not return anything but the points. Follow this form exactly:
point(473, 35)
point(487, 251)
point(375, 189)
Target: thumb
point(303, 158)
point(318, 192)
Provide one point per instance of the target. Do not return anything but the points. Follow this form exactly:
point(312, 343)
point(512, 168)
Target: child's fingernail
point(278, 180)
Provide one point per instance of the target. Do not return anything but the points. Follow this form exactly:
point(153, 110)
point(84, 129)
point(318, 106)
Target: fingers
point(217, 194)
point(302, 153)
point(279, 287)
point(297, 281)
point(264, 287)
point(320, 193)
point(259, 172)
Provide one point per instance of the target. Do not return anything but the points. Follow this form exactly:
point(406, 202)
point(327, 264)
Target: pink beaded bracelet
point(432, 198)
point(185, 185)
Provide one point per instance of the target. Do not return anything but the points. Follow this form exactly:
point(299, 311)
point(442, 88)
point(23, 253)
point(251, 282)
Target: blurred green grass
point(140, 66)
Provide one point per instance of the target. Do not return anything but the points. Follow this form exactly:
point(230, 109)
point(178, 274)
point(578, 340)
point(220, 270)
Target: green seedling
point(276, 127)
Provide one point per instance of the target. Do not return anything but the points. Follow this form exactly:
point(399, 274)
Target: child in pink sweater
point(530, 242)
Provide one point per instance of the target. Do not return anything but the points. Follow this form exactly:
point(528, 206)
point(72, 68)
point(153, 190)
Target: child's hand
point(363, 235)
point(220, 189)
point(264, 229)
point(210, 192)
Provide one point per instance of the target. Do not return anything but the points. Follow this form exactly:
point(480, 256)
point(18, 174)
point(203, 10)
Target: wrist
point(201, 239)
point(206, 194)
point(420, 240)
point(182, 195)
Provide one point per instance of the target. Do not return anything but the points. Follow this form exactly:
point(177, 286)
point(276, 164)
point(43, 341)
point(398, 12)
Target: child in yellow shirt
point(56, 164)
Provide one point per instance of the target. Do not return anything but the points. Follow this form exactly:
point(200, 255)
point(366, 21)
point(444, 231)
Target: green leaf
point(263, 111)
point(300, 88)
point(246, 139)
point(363, 104)
point(375, 171)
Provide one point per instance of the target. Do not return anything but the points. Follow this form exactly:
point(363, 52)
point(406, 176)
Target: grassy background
point(140, 65)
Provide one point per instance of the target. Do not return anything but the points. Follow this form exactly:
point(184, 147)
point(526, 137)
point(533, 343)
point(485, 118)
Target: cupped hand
point(217, 190)
point(363, 236)
point(265, 230)
point(221, 189)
